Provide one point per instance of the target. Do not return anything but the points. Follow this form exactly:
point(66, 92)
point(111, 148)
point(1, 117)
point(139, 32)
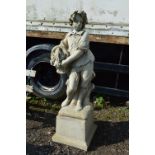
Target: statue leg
point(75, 98)
point(82, 93)
point(86, 77)
point(71, 87)
point(86, 100)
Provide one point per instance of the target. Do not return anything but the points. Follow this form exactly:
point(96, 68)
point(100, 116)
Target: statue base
point(75, 128)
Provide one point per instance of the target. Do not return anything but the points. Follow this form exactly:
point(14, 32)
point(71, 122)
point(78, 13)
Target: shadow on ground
point(108, 133)
point(38, 150)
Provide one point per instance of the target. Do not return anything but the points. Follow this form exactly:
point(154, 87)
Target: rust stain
point(109, 39)
point(92, 38)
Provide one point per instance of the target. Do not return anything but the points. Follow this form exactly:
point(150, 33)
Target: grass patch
point(42, 104)
point(113, 114)
point(103, 109)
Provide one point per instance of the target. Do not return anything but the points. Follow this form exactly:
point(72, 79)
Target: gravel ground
point(111, 137)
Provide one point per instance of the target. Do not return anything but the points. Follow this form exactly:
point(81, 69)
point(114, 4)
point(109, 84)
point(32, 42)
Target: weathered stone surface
point(73, 57)
point(70, 111)
point(75, 128)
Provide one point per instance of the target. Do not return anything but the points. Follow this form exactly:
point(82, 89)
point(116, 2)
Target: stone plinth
point(75, 128)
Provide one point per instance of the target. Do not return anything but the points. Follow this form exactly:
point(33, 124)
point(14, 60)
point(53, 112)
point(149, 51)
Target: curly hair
point(82, 14)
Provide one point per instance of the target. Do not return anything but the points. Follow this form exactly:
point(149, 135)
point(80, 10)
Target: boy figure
point(80, 61)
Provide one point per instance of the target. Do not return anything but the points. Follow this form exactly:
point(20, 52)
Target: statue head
point(78, 20)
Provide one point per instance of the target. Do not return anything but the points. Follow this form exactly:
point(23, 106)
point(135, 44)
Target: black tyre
point(47, 83)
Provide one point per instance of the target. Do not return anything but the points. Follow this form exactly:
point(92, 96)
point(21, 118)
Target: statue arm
point(73, 57)
point(84, 42)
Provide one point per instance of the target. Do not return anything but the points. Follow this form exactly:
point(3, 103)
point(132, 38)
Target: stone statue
point(74, 123)
point(73, 56)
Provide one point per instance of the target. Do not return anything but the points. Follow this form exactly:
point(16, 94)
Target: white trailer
point(107, 19)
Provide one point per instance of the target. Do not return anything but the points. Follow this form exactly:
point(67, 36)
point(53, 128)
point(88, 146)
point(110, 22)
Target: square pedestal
point(75, 128)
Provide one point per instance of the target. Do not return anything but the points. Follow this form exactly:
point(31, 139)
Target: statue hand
point(64, 63)
point(51, 62)
point(57, 64)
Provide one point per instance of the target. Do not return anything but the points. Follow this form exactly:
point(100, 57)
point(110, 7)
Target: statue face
point(77, 23)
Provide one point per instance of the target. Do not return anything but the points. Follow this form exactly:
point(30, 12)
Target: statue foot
point(73, 103)
point(65, 103)
point(78, 107)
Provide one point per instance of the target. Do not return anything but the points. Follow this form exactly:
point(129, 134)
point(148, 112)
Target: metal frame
point(118, 68)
